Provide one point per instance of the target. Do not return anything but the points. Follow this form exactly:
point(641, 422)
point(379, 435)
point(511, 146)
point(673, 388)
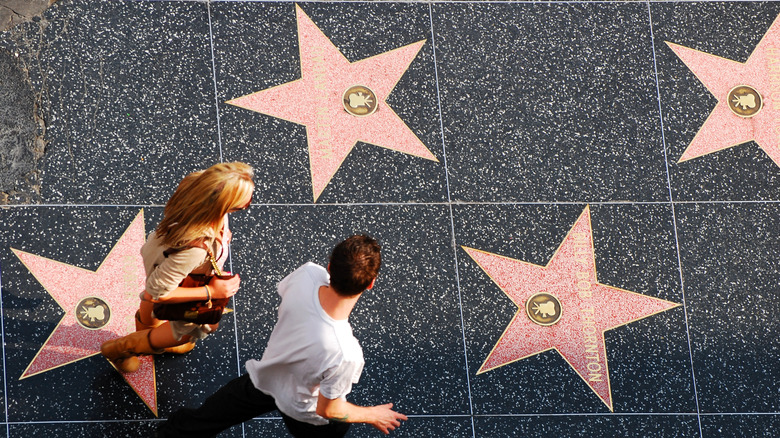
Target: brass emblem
point(544, 309)
point(359, 101)
point(92, 313)
point(745, 101)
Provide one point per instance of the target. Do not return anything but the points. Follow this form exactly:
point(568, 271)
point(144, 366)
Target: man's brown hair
point(354, 264)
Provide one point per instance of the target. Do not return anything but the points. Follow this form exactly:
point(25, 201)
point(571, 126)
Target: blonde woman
point(194, 228)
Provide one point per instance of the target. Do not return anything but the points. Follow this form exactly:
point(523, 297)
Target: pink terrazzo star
point(589, 308)
point(724, 129)
point(117, 282)
point(316, 100)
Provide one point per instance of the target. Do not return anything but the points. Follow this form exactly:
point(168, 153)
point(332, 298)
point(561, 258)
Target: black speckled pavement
point(577, 204)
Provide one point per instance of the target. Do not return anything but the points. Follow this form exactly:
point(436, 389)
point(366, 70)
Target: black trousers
point(234, 403)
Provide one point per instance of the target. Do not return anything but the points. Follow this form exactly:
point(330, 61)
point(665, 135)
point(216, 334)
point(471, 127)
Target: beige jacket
point(164, 274)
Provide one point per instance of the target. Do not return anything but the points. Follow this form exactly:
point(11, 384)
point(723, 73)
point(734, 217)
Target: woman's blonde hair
point(197, 206)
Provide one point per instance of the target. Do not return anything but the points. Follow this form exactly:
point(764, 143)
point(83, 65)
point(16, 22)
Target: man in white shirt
point(311, 361)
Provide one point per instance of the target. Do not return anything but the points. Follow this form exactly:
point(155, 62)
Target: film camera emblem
point(360, 101)
point(544, 309)
point(745, 101)
point(92, 313)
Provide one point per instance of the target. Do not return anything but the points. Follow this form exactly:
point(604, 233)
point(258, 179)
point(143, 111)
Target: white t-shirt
point(309, 352)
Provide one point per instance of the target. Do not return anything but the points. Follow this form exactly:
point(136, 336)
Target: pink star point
point(724, 129)
point(315, 101)
point(117, 281)
point(589, 308)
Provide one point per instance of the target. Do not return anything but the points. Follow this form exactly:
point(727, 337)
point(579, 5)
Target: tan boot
point(179, 349)
point(122, 352)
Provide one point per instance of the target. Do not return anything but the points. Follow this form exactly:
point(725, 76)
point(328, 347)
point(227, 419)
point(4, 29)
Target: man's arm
point(381, 416)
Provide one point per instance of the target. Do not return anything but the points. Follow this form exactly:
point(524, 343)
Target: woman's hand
point(224, 288)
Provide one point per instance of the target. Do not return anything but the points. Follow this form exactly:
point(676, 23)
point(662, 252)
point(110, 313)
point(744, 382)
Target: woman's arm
point(180, 295)
point(217, 288)
point(162, 284)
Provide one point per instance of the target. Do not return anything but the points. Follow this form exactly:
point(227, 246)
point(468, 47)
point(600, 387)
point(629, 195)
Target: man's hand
point(383, 417)
point(386, 419)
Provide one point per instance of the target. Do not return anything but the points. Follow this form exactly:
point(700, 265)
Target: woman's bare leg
point(162, 336)
point(145, 315)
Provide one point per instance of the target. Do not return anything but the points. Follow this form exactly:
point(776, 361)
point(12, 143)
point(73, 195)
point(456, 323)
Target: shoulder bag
point(207, 311)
